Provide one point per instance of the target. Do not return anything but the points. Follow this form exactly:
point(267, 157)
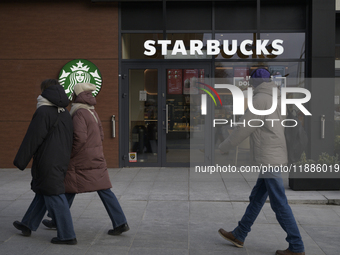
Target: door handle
point(166, 118)
point(113, 121)
point(166, 109)
point(323, 119)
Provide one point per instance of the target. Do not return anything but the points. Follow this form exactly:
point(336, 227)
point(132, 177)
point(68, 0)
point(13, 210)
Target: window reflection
point(283, 73)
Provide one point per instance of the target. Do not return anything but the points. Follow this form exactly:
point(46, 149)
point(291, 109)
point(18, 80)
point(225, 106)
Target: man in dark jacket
point(49, 141)
point(268, 147)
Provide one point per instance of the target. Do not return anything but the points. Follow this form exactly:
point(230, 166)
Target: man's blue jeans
point(57, 207)
point(272, 185)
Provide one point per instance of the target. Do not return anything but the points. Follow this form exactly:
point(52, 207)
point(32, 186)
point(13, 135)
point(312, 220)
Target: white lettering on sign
point(238, 100)
point(247, 47)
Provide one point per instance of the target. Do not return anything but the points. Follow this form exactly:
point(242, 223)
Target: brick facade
point(38, 39)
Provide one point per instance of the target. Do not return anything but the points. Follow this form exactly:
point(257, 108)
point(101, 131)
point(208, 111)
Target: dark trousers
point(111, 205)
point(57, 207)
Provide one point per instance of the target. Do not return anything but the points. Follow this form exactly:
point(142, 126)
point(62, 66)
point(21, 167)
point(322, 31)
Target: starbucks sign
point(79, 71)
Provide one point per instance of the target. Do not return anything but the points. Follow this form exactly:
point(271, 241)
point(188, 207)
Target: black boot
point(49, 224)
point(25, 230)
point(118, 230)
point(56, 240)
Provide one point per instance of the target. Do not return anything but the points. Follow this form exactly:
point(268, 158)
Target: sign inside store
point(214, 47)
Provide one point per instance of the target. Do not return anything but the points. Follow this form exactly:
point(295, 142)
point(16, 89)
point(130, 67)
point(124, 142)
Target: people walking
point(267, 146)
point(87, 170)
point(49, 141)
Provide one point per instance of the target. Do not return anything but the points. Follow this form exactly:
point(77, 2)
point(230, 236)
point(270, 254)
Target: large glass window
point(235, 15)
point(337, 117)
point(337, 42)
point(283, 15)
point(142, 15)
point(188, 15)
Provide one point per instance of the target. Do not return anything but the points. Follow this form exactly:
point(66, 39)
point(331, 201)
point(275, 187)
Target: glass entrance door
point(183, 115)
point(142, 122)
point(160, 113)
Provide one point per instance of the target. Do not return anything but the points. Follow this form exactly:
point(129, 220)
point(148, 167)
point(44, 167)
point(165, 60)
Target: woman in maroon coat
point(87, 170)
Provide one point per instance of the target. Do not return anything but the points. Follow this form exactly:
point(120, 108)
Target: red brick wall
point(37, 39)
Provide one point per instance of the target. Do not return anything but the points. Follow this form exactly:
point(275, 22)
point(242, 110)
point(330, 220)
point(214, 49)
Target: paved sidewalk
point(171, 211)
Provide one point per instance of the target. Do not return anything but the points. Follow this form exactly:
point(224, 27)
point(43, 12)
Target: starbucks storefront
point(174, 52)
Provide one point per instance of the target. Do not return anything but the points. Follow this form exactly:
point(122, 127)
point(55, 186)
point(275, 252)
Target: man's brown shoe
point(230, 237)
point(288, 252)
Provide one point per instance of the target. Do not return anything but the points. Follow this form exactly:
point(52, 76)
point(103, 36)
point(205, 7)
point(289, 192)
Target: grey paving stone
point(28, 195)
point(238, 191)
point(7, 230)
point(4, 204)
point(312, 214)
point(54, 249)
point(21, 245)
point(164, 219)
point(207, 212)
point(103, 239)
point(119, 187)
point(331, 196)
point(311, 247)
point(208, 191)
point(147, 174)
point(298, 197)
point(137, 191)
point(326, 237)
point(133, 210)
point(161, 236)
point(113, 172)
point(173, 175)
point(228, 250)
point(205, 237)
point(167, 212)
point(232, 176)
point(107, 249)
point(157, 251)
point(336, 209)
point(169, 191)
point(126, 174)
point(17, 208)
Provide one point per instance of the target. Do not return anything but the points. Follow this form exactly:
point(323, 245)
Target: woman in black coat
point(49, 141)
